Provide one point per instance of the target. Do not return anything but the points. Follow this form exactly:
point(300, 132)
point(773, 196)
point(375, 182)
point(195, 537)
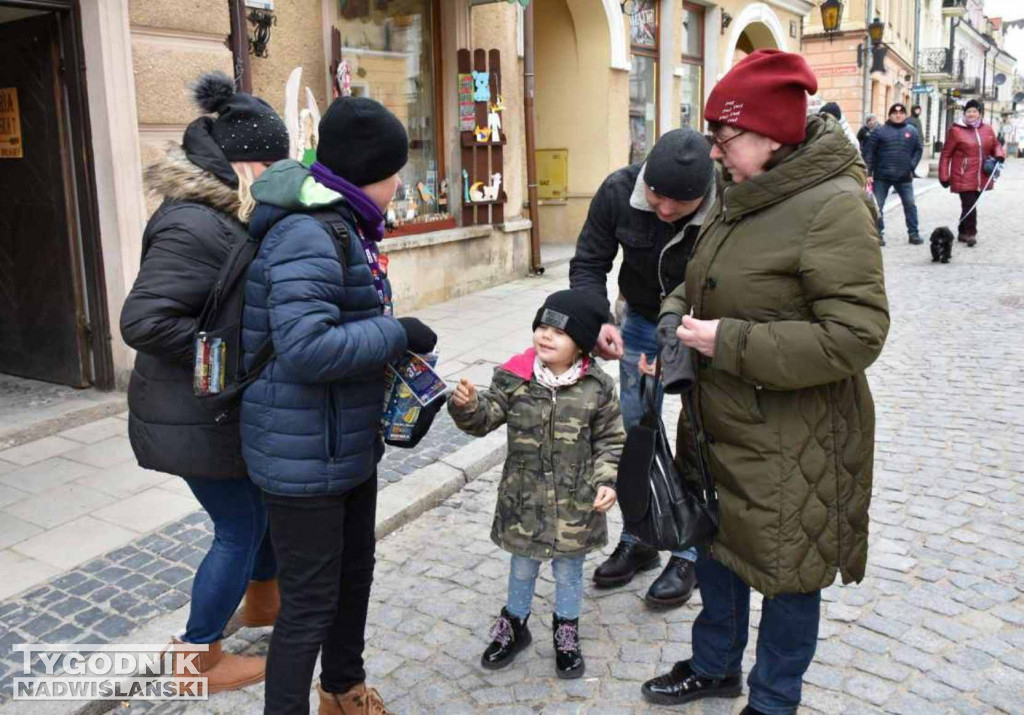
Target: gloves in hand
point(944, 184)
point(667, 325)
point(420, 338)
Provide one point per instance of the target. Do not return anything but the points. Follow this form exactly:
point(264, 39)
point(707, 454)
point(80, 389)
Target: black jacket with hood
point(654, 253)
point(185, 243)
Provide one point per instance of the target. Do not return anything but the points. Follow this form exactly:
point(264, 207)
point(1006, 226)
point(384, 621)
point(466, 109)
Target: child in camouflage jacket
point(565, 437)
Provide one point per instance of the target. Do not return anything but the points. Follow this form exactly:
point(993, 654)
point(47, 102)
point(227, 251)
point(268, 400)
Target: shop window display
point(388, 53)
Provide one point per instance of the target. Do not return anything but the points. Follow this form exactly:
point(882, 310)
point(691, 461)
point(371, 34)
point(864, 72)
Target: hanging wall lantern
point(831, 17)
point(875, 31)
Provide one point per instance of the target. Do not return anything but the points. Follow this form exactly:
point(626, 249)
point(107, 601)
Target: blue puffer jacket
point(310, 423)
point(893, 151)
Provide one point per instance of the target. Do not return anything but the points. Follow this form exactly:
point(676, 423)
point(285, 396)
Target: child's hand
point(465, 394)
point(605, 499)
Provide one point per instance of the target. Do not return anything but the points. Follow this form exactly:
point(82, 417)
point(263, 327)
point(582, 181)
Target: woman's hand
point(605, 499)
point(647, 368)
point(464, 395)
point(698, 334)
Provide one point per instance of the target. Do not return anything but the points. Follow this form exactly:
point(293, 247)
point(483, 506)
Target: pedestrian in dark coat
point(782, 309)
point(969, 143)
point(311, 430)
point(893, 152)
point(870, 124)
point(205, 184)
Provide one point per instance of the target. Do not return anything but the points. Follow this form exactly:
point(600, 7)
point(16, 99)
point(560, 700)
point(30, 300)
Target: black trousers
point(968, 226)
point(325, 556)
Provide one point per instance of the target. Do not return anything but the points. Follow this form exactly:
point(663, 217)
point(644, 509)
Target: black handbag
point(658, 506)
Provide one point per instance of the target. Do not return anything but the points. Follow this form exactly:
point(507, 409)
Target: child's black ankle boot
point(569, 661)
point(509, 635)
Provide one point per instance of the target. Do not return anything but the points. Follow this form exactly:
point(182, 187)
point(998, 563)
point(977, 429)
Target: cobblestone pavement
point(937, 626)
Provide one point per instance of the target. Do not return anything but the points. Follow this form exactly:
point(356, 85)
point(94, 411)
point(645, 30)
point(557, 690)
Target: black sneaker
point(623, 564)
point(675, 585)
point(916, 240)
point(682, 685)
point(509, 635)
point(569, 661)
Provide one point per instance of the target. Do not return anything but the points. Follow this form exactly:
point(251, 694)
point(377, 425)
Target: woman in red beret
point(782, 310)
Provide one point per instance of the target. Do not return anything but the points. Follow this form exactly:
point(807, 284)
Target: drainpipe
point(984, 74)
point(238, 43)
point(531, 141)
point(917, 43)
point(868, 61)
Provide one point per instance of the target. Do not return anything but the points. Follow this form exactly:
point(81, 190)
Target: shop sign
point(10, 124)
point(835, 70)
point(920, 89)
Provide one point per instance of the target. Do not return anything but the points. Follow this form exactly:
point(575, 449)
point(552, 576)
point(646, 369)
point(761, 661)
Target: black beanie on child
point(577, 313)
point(361, 141)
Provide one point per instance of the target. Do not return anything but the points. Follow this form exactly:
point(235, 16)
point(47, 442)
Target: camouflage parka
point(562, 445)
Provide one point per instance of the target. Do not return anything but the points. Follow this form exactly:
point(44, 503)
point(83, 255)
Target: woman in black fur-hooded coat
point(204, 184)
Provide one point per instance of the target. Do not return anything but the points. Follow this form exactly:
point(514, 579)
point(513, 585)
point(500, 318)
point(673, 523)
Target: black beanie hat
point(899, 105)
point(361, 141)
point(680, 166)
point(246, 127)
point(974, 104)
point(833, 109)
point(577, 313)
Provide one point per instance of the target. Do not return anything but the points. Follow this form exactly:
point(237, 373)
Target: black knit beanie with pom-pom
point(246, 128)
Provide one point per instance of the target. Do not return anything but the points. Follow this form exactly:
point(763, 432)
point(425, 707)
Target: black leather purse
point(658, 506)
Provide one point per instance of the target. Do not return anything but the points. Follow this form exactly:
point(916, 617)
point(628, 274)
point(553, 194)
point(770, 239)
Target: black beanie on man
point(680, 166)
point(361, 141)
point(833, 109)
point(245, 129)
point(577, 313)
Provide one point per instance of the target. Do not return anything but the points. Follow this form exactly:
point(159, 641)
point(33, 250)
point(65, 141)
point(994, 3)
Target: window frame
point(652, 52)
point(696, 60)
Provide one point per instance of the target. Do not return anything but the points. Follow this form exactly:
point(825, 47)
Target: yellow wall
point(581, 106)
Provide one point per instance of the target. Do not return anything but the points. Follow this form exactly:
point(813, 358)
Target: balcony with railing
point(954, 8)
point(936, 63)
point(970, 87)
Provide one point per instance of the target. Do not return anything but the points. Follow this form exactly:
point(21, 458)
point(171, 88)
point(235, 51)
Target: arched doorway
point(755, 36)
point(756, 28)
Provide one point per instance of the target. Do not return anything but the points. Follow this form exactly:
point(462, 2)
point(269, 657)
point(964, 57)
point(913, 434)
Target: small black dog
point(942, 245)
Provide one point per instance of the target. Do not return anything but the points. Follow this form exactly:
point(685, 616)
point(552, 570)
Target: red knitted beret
point(766, 93)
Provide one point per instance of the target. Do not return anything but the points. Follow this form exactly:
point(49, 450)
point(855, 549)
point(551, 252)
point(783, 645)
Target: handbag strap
point(710, 495)
point(649, 395)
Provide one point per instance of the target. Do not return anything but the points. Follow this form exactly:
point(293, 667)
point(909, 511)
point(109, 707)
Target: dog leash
point(995, 172)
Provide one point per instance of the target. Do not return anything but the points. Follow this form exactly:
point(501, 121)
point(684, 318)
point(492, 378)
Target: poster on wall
point(467, 110)
point(10, 124)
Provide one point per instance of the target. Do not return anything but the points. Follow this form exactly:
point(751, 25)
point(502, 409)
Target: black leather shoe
point(623, 564)
point(916, 240)
point(509, 635)
point(569, 661)
point(675, 585)
point(682, 685)
point(750, 711)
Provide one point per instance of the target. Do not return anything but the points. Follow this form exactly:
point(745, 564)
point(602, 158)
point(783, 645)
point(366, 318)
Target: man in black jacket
point(653, 211)
point(893, 152)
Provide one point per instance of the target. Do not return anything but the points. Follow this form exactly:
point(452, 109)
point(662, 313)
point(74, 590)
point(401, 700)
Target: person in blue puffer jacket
point(311, 422)
point(892, 153)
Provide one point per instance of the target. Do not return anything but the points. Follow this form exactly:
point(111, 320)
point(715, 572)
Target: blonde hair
point(246, 203)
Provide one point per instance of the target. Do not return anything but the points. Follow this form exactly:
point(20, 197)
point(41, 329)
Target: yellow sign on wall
point(552, 174)
point(10, 124)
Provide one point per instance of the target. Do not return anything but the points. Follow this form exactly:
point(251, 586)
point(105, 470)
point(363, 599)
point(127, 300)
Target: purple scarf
point(371, 219)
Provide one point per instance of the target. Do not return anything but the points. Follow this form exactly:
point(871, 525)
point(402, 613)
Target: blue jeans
point(640, 336)
point(522, 578)
point(240, 552)
point(905, 189)
point(786, 638)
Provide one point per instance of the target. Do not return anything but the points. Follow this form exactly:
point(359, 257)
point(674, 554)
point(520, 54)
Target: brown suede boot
point(262, 602)
point(223, 671)
point(358, 700)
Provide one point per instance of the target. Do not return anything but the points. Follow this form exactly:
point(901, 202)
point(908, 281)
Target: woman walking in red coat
point(969, 143)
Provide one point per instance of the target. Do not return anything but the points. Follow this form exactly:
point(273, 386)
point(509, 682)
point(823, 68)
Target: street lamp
point(831, 17)
point(875, 31)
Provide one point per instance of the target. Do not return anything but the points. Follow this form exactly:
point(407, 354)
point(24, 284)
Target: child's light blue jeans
point(522, 578)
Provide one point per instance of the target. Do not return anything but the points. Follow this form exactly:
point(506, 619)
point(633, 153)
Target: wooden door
point(42, 309)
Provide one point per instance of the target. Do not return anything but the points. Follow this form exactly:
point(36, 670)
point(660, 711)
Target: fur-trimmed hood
point(176, 178)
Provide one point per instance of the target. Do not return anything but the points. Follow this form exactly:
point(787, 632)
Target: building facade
point(609, 84)
point(863, 82)
point(91, 92)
